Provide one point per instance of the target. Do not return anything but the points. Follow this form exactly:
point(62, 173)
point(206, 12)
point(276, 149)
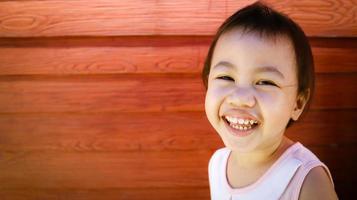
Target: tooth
point(241, 121)
point(251, 122)
point(228, 118)
point(246, 122)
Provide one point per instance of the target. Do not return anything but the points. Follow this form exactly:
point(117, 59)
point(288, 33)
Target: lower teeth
point(241, 127)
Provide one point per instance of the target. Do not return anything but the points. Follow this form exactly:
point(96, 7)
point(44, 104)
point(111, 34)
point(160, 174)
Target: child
point(259, 76)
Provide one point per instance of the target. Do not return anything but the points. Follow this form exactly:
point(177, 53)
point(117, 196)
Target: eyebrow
point(269, 69)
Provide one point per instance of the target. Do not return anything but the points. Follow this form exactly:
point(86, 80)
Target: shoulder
point(317, 185)
point(218, 157)
point(313, 179)
point(219, 153)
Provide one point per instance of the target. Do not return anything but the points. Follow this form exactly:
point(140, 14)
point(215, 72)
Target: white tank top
point(283, 180)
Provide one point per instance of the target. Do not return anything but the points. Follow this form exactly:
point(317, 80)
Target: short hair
point(259, 18)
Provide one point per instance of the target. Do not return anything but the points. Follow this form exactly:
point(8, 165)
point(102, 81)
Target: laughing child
point(259, 76)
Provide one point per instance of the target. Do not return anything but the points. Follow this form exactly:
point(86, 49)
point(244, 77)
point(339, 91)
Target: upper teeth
point(240, 120)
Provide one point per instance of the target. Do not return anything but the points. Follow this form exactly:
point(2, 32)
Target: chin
point(239, 146)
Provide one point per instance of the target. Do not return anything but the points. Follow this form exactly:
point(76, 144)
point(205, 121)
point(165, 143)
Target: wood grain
point(149, 41)
point(133, 170)
point(103, 99)
point(108, 18)
point(149, 93)
point(162, 131)
point(192, 193)
point(105, 60)
point(187, 58)
point(97, 170)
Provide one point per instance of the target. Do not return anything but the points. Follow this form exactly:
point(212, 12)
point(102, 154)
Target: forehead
point(248, 51)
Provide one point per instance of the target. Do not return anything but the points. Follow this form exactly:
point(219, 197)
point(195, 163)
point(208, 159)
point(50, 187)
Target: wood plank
point(149, 93)
point(135, 17)
point(162, 131)
point(152, 41)
point(335, 91)
point(110, 93)
point(192, 193)
point(107, 132)
point(187, 58)
point(97, 170)
point(325, 127)
point(344, 189)
point(103, 60)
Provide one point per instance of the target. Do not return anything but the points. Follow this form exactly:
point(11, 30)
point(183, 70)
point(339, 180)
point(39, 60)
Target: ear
point(300, 103)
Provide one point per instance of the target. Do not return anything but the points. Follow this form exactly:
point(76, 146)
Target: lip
point(239, 114)
point(239, 133)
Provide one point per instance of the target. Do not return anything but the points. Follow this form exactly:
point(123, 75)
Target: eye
point(227, 78)
point(266, 82)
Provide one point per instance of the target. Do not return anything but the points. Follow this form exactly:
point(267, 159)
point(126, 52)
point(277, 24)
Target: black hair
point(262, 19)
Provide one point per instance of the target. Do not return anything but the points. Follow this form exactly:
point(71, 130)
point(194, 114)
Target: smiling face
point(251, 80)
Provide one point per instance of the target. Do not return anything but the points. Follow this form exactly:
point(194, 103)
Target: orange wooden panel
point(110, 93)
point(103, 132)
point(134, 170)
point(162, 131)
point(149, 41)
point(100, 170)
point(102, 60)
point(326, 127)
point(183, 58)
point(135, 17)
point(149, 93)
point(336, 91)
point(191, 193)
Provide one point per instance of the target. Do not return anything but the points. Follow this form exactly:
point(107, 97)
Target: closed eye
point(227, 78)
point(265, 82)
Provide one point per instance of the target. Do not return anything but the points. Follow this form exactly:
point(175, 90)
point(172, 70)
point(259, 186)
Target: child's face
point(235, 88)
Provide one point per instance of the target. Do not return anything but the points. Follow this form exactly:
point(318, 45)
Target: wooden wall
point(103, 99)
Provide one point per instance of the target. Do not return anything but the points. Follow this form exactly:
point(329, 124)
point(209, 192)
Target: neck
point(262, 156)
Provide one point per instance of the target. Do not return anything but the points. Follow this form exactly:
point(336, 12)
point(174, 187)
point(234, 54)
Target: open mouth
point(241, 124)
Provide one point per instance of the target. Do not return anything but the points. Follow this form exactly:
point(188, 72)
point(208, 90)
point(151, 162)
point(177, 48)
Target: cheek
point(210, 102)
point(275, 107)
point(213, 101)
point(270, 99)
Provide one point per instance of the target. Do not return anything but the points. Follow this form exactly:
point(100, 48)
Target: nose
point(241, 97)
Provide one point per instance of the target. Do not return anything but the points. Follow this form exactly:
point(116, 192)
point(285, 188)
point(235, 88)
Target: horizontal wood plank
point(149, 41)
point(135, 17)
point(105, 60)
point(192, 193)
point(149, 93)
point(107, 132)
point(163, 131)
point(188, 58)
point(130, 194)
point(102, 94)
point(95, 170)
